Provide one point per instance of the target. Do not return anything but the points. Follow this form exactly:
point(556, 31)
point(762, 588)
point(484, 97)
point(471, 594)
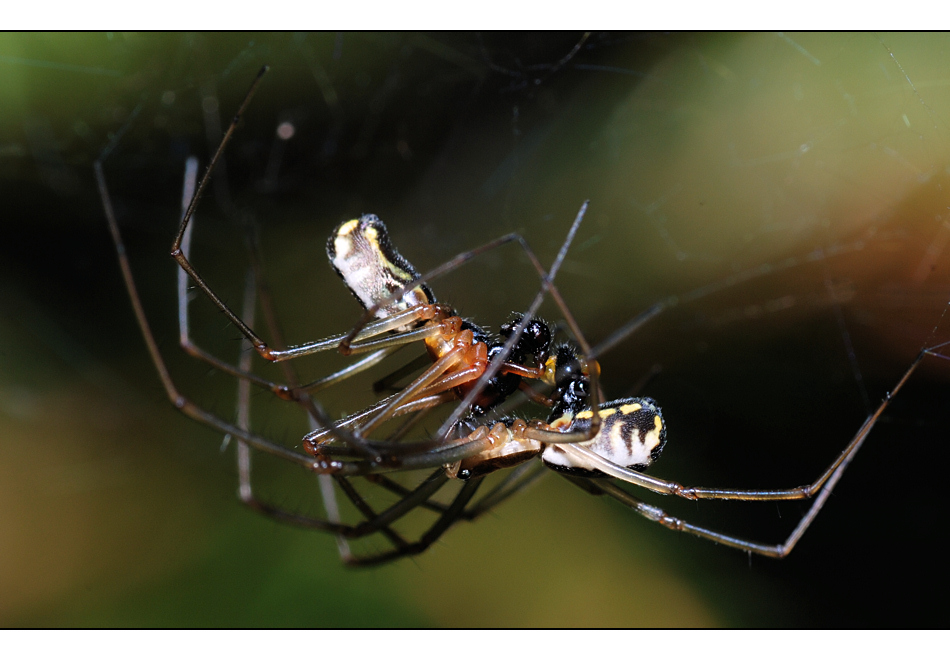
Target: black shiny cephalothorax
point(530, 350)
point(535, 340)
point(571, 383)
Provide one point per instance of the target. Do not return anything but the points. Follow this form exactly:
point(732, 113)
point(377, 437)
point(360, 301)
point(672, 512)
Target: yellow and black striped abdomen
point(632, 434)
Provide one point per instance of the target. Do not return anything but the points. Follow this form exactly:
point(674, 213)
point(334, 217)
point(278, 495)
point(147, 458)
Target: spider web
point(789, 190)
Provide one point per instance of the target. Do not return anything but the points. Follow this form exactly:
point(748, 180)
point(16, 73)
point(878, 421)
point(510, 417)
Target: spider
point(594, 444)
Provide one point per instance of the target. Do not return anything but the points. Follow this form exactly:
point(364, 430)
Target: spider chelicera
point(594, 444)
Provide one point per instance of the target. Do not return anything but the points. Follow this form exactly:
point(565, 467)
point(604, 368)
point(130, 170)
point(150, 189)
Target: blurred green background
point(817, 161)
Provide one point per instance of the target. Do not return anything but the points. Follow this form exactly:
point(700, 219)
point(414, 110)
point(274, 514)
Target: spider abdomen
point(632, 434)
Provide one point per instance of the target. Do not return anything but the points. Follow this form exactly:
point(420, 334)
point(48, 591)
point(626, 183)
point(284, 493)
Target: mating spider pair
point(593, 444)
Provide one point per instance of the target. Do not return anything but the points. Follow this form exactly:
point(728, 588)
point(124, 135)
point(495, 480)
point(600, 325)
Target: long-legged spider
point(595, 445)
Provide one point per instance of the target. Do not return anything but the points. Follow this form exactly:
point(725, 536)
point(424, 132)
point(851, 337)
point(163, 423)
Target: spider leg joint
point(685, 493)
point(266, 352)
point(654, 513)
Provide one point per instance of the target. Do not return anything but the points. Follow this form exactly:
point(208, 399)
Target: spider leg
point(394, 537)
point(375, 522)
point(821, 485)
point(382, 326)
point(411, 456)
point(454, 512)
point(404, 457)
point(184, 325)
point(515, 481)
point(656, 514)
point(416, 388)
point(321, 435)
point(388, 383)
point(360, 365)
point(245, 488)
point(398, 489)
point(181, 402)
point(431, 382)
point(179, 255)
point(380, 522)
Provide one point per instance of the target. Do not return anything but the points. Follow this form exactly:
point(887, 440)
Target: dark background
point(818, 162)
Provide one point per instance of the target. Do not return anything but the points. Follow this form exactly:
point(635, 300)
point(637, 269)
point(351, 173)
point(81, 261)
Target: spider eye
point(632, 434)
